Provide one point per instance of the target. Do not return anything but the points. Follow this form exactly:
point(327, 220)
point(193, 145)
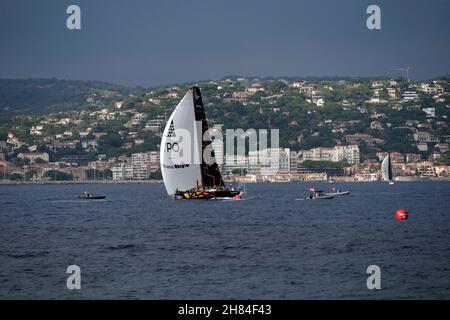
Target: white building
point(154, 125)
point(139, 116)
point(255, 87)
point(410, 96)
point(271, 161)
point(144, 163)
point(377, 84)
point(366, 176)
point(423, 136)
point(152, 157)
point(139, 166)
point(33, 156)
point(89, 145)
point(122, 172)
point(237, 163)
point(217, 143)
point(413, 157)
point(392, 92)
point(320, 102)
point(297, 84)
point(430, 112)
point(431, 89)
point(336, 154)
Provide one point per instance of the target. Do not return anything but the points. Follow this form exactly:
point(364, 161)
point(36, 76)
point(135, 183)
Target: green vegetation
point(58, 175)
point(98, 174)
point(444, 160)
point(44, 96)
point(16, 176)
point(63, 110)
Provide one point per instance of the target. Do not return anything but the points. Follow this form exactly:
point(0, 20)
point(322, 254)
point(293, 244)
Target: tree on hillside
point(56, 175)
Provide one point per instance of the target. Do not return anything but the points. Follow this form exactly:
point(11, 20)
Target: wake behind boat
point(184, 145)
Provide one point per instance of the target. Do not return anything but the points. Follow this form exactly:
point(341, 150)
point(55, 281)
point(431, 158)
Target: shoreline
point(6, 182)
point(332, 179)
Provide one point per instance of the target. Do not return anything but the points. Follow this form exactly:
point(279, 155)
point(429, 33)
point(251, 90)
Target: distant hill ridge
point(44, 96)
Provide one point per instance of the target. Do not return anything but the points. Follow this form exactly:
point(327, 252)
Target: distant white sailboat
point(194, 178)
point(386, 169)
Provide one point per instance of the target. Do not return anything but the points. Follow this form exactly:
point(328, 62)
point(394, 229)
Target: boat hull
point(93, 198)
point(206, 195)
point(343, 193)
point(321, 198)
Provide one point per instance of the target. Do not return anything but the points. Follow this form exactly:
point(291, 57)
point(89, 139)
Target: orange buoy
point(237, 197)
point(401, 214)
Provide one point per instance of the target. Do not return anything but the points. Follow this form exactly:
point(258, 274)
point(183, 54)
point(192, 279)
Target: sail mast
point(211, 176)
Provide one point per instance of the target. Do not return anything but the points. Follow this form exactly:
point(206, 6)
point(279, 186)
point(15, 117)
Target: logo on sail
point(171, 131)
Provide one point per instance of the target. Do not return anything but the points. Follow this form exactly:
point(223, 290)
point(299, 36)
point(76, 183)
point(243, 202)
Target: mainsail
point(386, 168)
point(211, 177)
point(183, 139)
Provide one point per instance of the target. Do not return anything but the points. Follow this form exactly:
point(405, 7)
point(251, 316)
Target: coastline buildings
point(421, 136)
point(431, 88)
point(336, 154)
point(262, 163)
point(33, 156)
point(217, 144)
point(123, 129)
point(413, 157)
point(139, 168)
point(122, 172)
point(235, 165)
point(410, 96)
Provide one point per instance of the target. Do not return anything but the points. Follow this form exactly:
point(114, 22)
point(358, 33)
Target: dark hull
point(93, 198)
point(321, 198)
point(206, 195)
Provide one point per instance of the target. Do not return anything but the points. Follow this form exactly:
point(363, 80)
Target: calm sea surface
point(140, 244)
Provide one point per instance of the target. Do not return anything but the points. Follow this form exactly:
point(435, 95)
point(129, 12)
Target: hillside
point(44, 96)
point(379, 115)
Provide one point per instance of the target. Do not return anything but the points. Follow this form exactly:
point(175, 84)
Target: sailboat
point(386, 169)
point(188, 164)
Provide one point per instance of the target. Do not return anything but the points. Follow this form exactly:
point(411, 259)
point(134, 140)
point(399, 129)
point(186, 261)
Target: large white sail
point(181, 138)
point(386, 169)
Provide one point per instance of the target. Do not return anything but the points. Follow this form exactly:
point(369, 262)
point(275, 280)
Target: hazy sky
point(168, 41)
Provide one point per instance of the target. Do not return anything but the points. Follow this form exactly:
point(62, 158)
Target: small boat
point(188, 163)
point(89, 196)
point(318, 195)
point(336, 192)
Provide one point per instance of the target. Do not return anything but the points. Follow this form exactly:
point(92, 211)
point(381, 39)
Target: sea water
point(138, 243)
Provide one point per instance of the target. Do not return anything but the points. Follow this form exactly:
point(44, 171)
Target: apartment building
point(336, 154)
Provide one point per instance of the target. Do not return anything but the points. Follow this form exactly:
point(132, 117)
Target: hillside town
point(329, 129)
